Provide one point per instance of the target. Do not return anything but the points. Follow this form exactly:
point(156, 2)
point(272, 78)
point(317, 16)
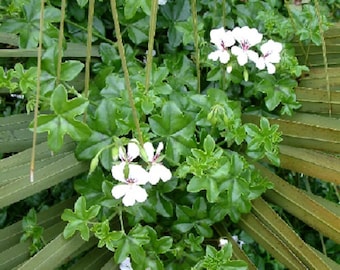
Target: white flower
point(132, 151)
point(270, 54)
point(131, 176)
point(223, 242)
point(162, 2)
point(238, 241)
point(246, 38)
point(126, 264)
point(157, 170)
point(222, 40)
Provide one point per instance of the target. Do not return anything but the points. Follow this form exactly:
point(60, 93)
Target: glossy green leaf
point(63, 120)
point(176, 127)
point(78, 220)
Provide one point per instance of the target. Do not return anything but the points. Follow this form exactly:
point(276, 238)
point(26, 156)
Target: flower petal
point(118, 172)
point(242, 59)
point(150, 150)
point(215, 36)
point(157, 172)
point(271, 68)
point(159, 148)
point(214, 55)
point(224, 57)
point(138, 174)
point(135, 193)
point(120, 190)
point(253, 56)
point(132, 150)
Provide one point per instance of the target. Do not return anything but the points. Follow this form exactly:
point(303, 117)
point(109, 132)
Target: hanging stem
point(125, 69)
point(324, 54)
point(60, 39)
point(95, 33)
point(197, 50)
point(88, 51)
point(295, 30)
point(224, 69)
point(37, 97)
point(88, 47)
point(152, 31)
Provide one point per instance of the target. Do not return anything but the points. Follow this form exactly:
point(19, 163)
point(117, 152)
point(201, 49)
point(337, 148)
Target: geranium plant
point(161, 122)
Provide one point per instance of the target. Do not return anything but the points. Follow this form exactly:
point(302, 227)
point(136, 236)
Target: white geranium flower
point(132, 151)
point(162, 2)
point(270, 55)
point(126, 264)
point(223, 242)
point(157, 170)
point(131, 176)
point(246, 38)
point(222, 40)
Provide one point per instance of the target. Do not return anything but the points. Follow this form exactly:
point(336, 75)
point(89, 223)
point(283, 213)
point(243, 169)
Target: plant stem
point(152, 31)
point(60, 39)
point(36, 106)
point(88, 51)
point(125, 69)
point(324, 54)
point(95, 33)
point(197, 51)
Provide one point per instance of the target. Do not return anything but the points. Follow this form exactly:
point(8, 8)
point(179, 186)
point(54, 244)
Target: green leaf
point(78, 220)
point(70, 69)
point(63, 120)
point(176, 127)
point(131, 244)
point(139, 30)
point(82, 3)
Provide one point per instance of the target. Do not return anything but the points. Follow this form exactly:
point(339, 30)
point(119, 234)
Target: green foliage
point(32, 232)
point(63, 120)
point(79, 219)
point(208, 148)
point(221, 259)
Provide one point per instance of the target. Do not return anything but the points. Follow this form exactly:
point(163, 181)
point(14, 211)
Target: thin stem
point(125, 69)
point(152, 31)
point(95, 33)
point(120, 213)
point(197, 50)
point(295, 30)
point(324, 54)
point(88, 50)
point(60, 39)
point(36, 107)
point(224, 13)
point(224, 69)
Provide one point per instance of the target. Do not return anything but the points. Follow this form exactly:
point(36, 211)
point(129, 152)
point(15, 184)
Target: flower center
point(245, 45)
point(131, 180)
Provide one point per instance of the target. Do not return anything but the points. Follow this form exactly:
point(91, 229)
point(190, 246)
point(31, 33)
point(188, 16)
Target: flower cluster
point(132, 176)
point(239, 42)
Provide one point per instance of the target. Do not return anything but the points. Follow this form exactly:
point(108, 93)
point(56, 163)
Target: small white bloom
point(246, 38)
point(270, 54)
point(222, 40)
point(223, 242)
point(132, 151)
point(130, 188)
point(238, 241)
point(126, 264)
point(162, 2)
point(157, 170)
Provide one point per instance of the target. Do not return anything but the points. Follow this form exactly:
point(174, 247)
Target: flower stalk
point(125, 68)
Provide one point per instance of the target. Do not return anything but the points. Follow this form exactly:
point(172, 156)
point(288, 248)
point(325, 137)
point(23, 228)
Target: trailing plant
point(162, 119)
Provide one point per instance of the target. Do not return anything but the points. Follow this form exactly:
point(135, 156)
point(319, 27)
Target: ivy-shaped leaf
point(63, 120)
point(78, 220)
point(27, 26)
point(176, 128)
